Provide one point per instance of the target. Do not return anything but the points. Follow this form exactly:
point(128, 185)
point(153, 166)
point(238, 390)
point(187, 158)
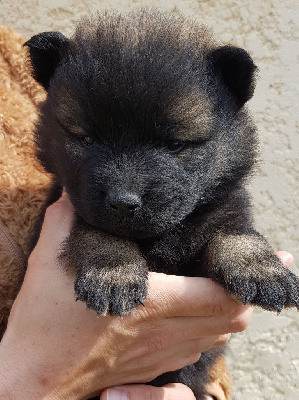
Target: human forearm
point(23, 376)
point(20, 378)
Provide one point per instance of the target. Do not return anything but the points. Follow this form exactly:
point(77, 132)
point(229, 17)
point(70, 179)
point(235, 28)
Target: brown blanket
point(24, 184)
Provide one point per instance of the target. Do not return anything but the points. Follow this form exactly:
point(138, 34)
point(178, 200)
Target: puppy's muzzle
point(123, 203)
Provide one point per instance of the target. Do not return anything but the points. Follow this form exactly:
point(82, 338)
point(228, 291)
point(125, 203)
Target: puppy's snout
point(123, 202)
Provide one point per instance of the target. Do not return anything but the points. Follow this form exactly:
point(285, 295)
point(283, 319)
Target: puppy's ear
point(236, 69)
point(46, 52)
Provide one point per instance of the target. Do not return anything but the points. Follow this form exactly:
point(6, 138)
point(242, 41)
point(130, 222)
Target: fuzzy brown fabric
point(24, 184)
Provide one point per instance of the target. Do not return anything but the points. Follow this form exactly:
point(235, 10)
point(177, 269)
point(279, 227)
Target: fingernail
point(116, 394)
point(288, 260)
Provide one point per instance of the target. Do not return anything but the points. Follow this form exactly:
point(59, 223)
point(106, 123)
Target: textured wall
point(264, 360)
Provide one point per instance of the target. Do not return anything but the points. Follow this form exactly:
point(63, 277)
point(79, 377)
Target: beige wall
point(265, 359)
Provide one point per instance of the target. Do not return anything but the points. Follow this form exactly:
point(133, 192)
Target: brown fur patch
point(248, 252)
point(193, 115)
point(246, 266)
point(69, 113)
point(220, 385)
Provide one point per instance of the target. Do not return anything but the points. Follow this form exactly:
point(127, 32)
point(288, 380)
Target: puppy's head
point(144, 120)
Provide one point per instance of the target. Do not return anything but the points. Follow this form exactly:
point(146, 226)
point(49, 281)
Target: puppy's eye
point(175, 147)
point(88, 140)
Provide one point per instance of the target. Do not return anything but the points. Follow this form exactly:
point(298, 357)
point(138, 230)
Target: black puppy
point(145, 127)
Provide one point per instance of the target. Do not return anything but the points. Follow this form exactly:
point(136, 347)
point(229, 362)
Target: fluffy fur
point(145, 126)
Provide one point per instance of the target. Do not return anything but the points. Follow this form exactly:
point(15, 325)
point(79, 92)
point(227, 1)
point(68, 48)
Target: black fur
point(144, 126)
point(237, 70)
point(45, 52)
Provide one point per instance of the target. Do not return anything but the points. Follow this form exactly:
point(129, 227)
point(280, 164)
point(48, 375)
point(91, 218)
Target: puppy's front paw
point(111, 291)
point(246, 267)
point(269, 284)
point(111, 274)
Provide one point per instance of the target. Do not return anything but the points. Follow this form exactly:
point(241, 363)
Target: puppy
point(146, 128)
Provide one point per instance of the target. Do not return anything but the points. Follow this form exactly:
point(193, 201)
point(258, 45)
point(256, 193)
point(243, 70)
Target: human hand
point(173, 391)
point(56, 348)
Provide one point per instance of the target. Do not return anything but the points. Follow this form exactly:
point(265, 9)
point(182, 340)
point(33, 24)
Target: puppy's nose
point(123, 202)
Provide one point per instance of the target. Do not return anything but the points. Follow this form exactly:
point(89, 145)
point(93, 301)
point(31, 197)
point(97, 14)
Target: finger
point(190, 348)
point(177, 329)
point(173, 391)
point(154, 363)
point(171, 296)
point(196, 327)
point(286, 258)
point(58, 221)
point(56, 227)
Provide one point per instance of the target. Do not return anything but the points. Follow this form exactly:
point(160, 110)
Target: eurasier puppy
point(145, 127)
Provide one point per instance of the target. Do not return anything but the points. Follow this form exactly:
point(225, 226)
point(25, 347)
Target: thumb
point(172, 391)
point(56, 227)
point(58, 221)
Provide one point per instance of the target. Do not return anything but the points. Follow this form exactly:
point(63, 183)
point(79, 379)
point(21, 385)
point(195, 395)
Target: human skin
point(56, 348)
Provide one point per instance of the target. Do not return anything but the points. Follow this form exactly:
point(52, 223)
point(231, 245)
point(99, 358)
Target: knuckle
point(222, 303)
point(151, 311)
point(217, 310)
point(155, 345)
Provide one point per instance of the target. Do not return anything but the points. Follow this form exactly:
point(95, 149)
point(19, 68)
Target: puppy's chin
point(127, 228)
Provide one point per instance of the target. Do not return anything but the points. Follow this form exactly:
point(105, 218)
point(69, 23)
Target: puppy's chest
point(174, 254)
